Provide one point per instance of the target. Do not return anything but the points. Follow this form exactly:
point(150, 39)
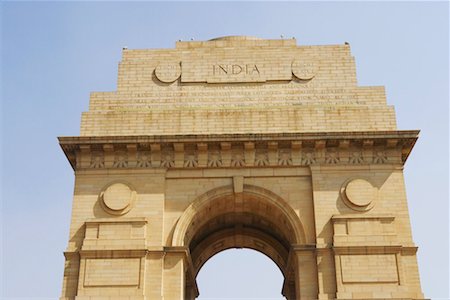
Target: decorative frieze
point(356, 157)
point(239, 151)
point(120, 159)
point(97, 160)
point(144, 159)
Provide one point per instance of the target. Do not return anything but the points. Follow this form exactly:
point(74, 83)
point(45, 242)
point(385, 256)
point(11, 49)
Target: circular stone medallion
point(117, 198)
point(303, 69)
point(168, 71)
point(359, 194)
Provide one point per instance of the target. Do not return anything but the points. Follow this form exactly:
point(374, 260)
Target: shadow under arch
point(255, 218)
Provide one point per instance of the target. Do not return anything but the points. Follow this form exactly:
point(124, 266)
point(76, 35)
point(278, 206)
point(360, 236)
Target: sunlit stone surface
point(240, 142)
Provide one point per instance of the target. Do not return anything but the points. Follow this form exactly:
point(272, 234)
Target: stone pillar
point(154, 274)
point(71, 272)
point(174, 275)
point(306, 274)
point(326, 274)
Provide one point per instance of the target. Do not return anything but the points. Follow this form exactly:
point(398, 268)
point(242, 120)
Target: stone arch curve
point(207, 198)
point(255, 218)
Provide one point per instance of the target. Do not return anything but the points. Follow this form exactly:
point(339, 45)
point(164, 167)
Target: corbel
point(84, 156)
point(178, 154)
point(155, 155)
point(238, 184)
point(319, 147)
point(132, 155)
point(296, 153)
point(108, 150)
point(392, 152)
point(367, 150)
point(273, 153)
point(344, 153)
point(225, 151)
point(249, 153)
point(202, 154)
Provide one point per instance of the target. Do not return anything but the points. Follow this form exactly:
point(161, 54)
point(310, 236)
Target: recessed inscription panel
point(235, 71)
point(237, 96)
point(369, 268)
point(112, 272)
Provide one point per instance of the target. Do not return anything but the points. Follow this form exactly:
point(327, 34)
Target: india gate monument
point(240, 142)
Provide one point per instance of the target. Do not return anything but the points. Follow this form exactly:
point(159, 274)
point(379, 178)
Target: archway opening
point(239, 274)
point(253, 219)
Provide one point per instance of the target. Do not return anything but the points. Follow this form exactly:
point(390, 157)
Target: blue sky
point(53, 54)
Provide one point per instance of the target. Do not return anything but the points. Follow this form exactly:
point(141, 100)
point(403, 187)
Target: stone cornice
point(385, 249)
point(239, 150)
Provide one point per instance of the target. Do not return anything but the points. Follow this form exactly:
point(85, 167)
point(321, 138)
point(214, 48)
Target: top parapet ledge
point(236, 38)
point(237, 41)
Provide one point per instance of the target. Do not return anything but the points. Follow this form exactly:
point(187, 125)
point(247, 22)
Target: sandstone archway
point(277, 133)
point(254, 218)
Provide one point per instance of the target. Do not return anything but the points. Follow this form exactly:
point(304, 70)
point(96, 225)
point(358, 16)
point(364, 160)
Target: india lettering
point(235, 69)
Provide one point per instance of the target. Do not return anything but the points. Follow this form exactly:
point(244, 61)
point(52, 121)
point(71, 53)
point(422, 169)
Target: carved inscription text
point(235, 69)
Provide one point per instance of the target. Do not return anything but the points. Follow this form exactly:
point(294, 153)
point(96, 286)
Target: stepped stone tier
point(240, 142)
